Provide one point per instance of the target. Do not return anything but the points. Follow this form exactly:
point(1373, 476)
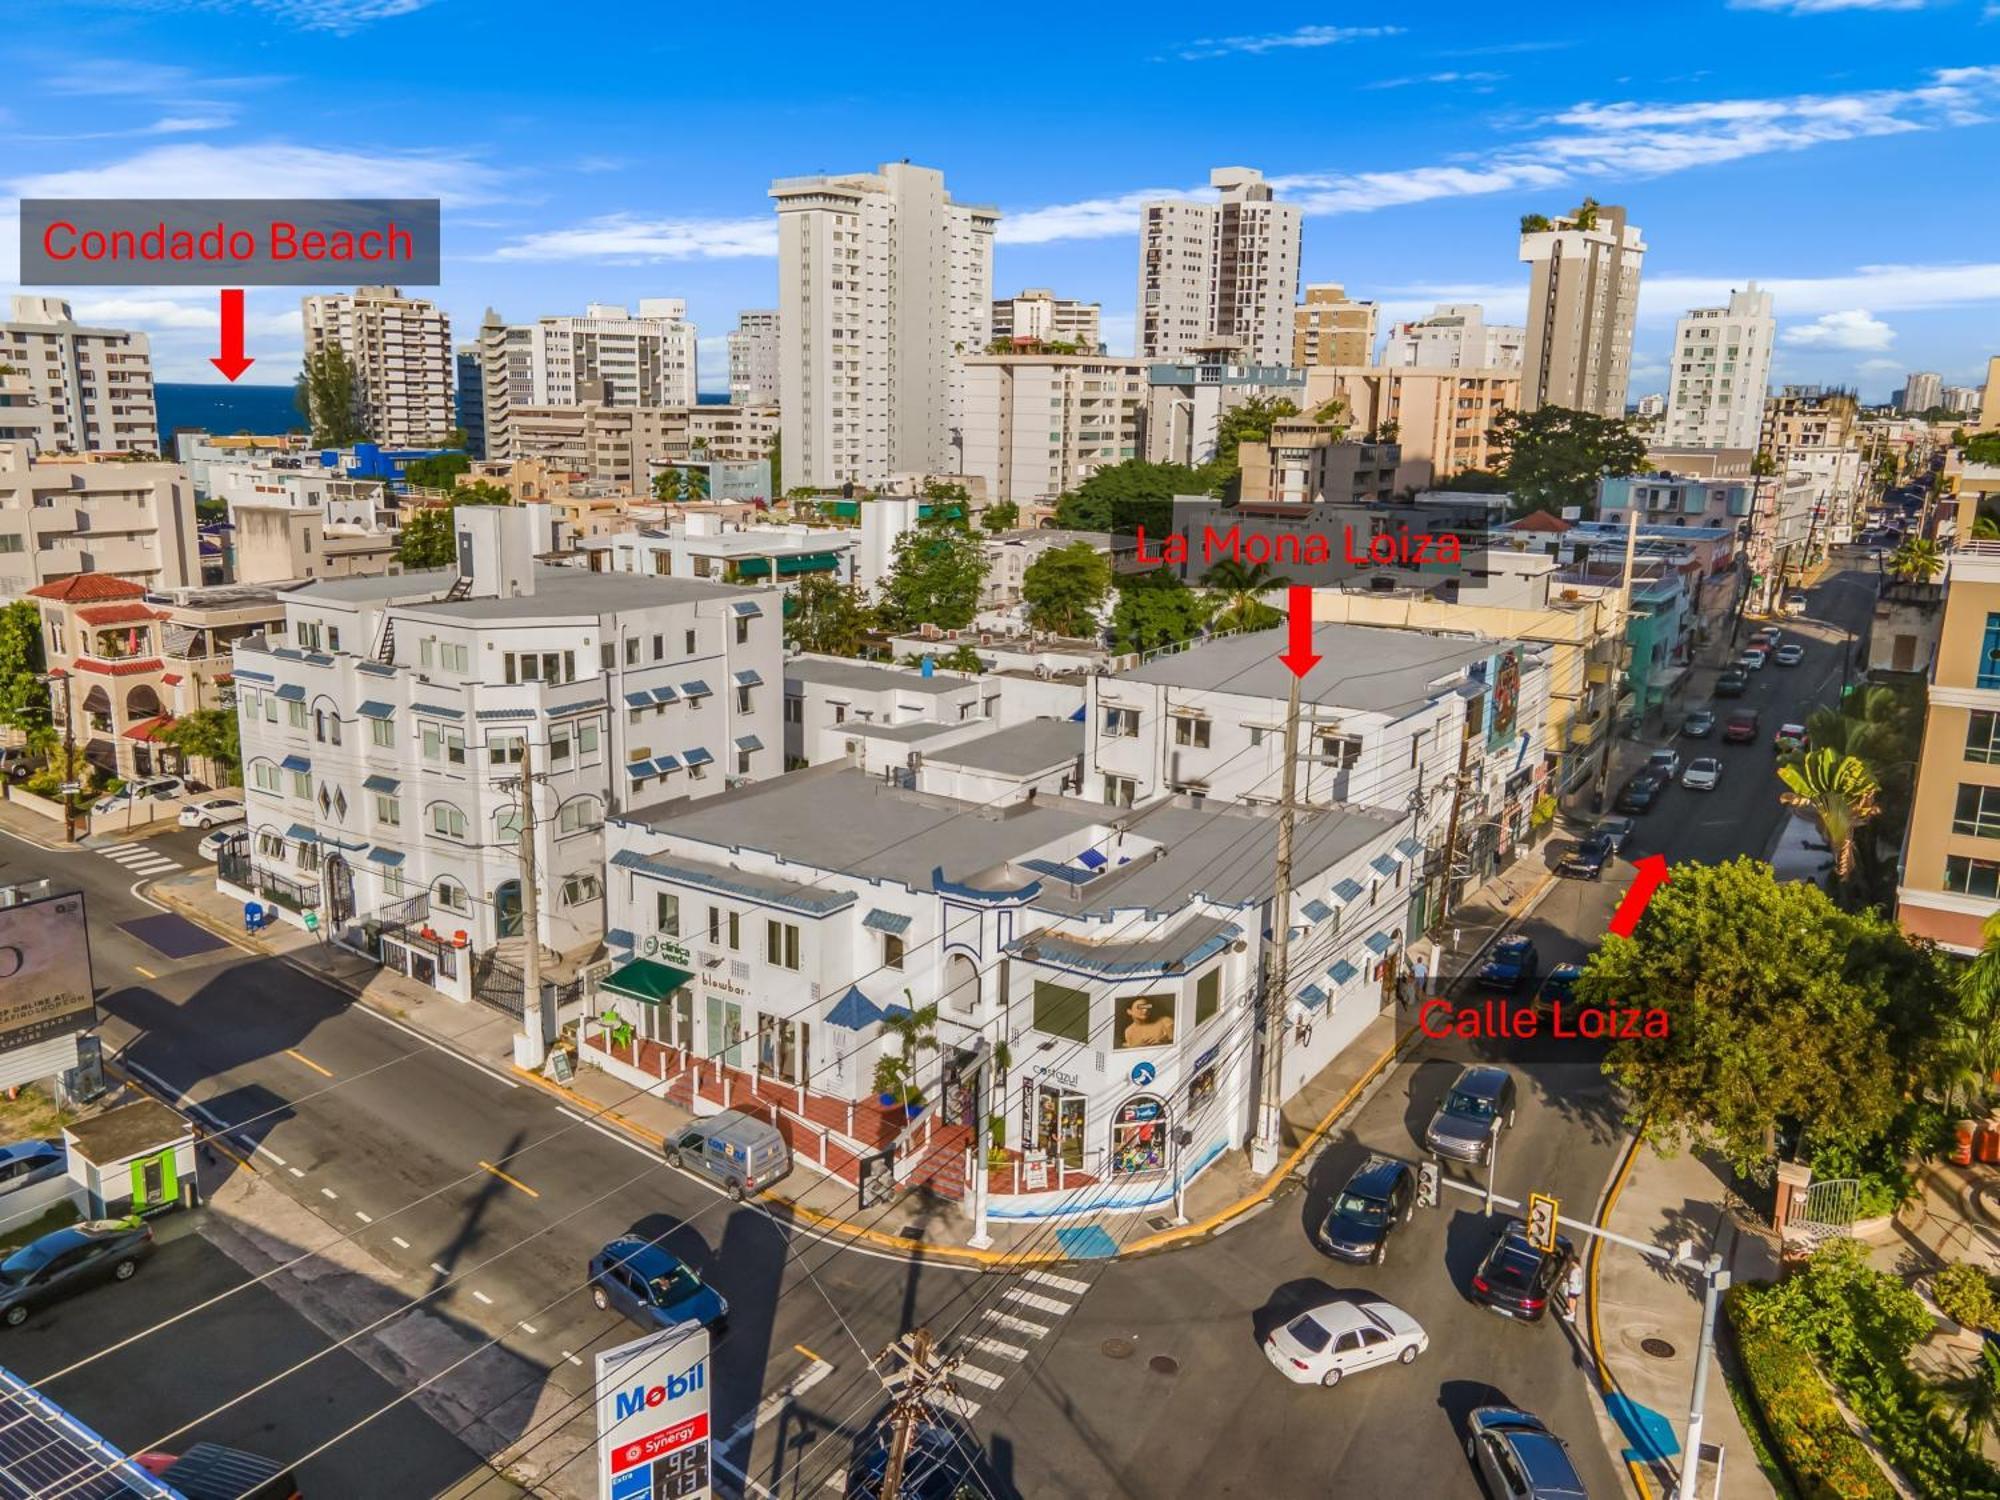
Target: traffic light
point(1427, 1185)
point(1542, 1222)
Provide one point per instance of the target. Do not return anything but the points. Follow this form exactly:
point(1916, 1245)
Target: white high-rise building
point(1039, 424)
point(401, 351)
point(1583, 295)
point(1219, 273)
point(1923, 390)
point(884, 284)
point(1721, 365)
point(753, 359)
point(92, 387)
point(1962, 398)
point(607, 357)
point(1456, 335)
point(1041, 315)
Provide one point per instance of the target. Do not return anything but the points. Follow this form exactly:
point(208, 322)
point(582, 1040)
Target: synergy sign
point(652, 1418)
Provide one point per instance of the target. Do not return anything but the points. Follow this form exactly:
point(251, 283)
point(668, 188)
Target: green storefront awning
point(791, 564)
point(643, 979)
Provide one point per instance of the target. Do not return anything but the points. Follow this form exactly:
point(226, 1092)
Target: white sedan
point(1325, 1343)
point(210, 811)
point(1703, 774)
point(212, 845)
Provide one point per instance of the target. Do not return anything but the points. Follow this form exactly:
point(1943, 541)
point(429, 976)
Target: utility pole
point(912, 1386)
point(1624, 637)
point(1264, 1148)
point(531, 1047)
point(1718, 1283)
point(1451, 839)
point(69, 756)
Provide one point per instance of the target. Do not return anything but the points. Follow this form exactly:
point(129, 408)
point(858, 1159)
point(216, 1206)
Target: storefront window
point(1052, 1123)
point(1139, 1136)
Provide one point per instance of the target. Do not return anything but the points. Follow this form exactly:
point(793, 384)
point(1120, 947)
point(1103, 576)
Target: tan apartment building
point(1989, 400)
point(1329, 328)
point(1802, 419)
point(1037, 425)
point(1583, 297)
point(23, 418)
point(1222, 271)
point(1455, 335)
point(1039, 314)
point(1310, 463)
point(60, 517)
point(1442, 420)
point(615, 444)
point(1951, 856)
point(94, 385)
point(401, 351)
point(607, 356)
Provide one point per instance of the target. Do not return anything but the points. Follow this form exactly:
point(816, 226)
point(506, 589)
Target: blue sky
point(1838, 151)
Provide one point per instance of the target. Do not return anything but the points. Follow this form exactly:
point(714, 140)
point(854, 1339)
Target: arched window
point(452, 896)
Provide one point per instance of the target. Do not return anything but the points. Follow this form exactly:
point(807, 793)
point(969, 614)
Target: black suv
point(1479, 1106)
point(1641, 792)
point(1377, 1198)
point(1517, 1278)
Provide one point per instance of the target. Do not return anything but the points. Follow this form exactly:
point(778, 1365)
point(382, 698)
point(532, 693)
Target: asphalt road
point(1098, 1416)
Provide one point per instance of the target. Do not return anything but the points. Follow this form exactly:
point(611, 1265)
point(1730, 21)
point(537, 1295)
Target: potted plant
point(996, 1141)
point(915, 1031)
point(891, 1078)
point(1963, 1293)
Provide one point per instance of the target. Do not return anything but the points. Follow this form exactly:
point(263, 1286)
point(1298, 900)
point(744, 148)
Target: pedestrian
point(1420, 972)
point(1455, 937)
point(1573, 1290)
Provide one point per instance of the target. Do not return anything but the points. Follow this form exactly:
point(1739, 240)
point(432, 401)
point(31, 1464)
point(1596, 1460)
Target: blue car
point(1560, 986)
point(1511, 965)
point(653, 1288)
point(28, 1162)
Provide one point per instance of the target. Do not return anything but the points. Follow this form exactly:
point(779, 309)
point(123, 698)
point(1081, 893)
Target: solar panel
point(44, 1450)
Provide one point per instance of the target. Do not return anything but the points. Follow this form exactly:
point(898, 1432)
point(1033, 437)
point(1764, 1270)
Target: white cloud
point(622, 239)
point(1616, 141)
point(167, 125)
point(122, 77)
point(339, 16)
point(1824, 7)
point(1881, 366)
point(1856, 328)
point(1279, 41)
point(271, 170)
point(1476, 79)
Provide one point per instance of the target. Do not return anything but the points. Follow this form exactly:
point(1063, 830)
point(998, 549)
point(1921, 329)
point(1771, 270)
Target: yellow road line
point(807, 1352)
point(301, 1057)
point(513, 1182)
point(1638, 1472)
point(142, 969)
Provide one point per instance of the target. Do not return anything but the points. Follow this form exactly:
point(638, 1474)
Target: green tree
point(1983, 448)
point(1976, 1394)
point(439, 472)
point(1763, 466)
point(1783, 1012)
point(328, 397)
point(1237, 594)
point(1002, 515)
point(681, 485)
point(481, 492)
point(1535, 224)
point(775, 456)
point(961, 658)
point(428, 540)
point(1155, 609)
point(1918, 559)
point(1128, 495)
point(1556, 456)
point(1250, 421)
point(827, 616)
point(1840, 792)
point(1065, 587)
point(24, 697)
point(935, 578)
point(209, 734)
point(1474, 482)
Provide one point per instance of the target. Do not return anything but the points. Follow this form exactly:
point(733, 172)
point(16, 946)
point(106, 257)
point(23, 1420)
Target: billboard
point(45, 987)
point(1505, 704)
point(652, 1417)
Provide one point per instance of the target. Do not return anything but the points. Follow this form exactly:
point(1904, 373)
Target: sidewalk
point(917, 1223)
point(1663, 1201)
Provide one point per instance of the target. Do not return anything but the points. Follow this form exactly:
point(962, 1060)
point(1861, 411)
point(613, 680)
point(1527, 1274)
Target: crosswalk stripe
point(1035, 1300)
point(152, 866)
point(999, 1347)
point(108, 848)
point(962, 1407)
point(1060, 1283)
point(978, 1376)
point(1017, 1325)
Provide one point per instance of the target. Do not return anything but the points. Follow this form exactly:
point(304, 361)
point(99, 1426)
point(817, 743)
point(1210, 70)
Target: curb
point(1607, 1383)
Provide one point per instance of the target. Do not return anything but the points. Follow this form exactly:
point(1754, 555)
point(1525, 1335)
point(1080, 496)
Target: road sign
point(1542, 1222)
point(71, 788)
point(312, 920)
point(1427, 1185)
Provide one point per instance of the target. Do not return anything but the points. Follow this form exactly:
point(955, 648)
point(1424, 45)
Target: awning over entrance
point(643, 979)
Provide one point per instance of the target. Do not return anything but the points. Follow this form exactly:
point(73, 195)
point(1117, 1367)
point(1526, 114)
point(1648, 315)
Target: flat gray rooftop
point(577, 591)
point(863, 677)
point(379, 588)
point(1365, 669)
point(1019, 750)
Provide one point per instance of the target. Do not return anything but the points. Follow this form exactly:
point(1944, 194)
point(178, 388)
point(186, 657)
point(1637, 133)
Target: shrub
point(1824, 1459)
point(1964, 1295)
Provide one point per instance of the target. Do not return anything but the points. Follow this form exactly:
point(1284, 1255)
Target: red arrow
point(1299, 655)
point(1652, 875)
point(232, 361)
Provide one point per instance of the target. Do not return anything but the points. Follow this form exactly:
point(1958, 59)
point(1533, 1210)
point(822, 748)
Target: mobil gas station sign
point(653, 1418)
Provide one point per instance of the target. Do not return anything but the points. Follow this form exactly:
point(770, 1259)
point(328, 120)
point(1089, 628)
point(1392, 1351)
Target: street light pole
point(1718, 1283)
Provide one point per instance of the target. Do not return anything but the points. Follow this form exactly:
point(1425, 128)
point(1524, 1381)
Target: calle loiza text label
point(1497, 1018)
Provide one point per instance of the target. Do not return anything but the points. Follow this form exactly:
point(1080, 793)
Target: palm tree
point(1985, 529)
point(1919, 560)
point(1839, 791)
point(1237, 593)
point(1976, 1394)
point(1973, 1036)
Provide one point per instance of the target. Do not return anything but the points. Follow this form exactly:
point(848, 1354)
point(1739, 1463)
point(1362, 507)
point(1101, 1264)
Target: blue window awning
point(296, 763)
point(373, 710)
point(618, 937)
point(1077, 717)
point(638, 768)
point(381, 856)
point(697, 756)
point(1382, 865)
point(380, 784)
point(748, 742)
point(302, 834)
point(1312, 997)
point(665, 763)
point(745, 607)
point(1379, 943)
point(893, 923)
point(748, 678)
point(695, 688)
point(1408, 848)
point(1340, 971)
point(292, 693)
point(666, 695)
point(639, 700)
point(1316, 911)
point(855, 1011)
point(1346, 891)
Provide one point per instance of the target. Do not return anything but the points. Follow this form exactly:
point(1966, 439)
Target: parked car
point(27, 1162)
point(1704, 774)
point(1795, 604)
point(1618, 830)
point(1791, 737)
point(1479, 1106)
point(212, 845)
point(155, 789)
point(1640, 793)
point(936, 1466)
point(1767, 635)
point(1790, 654)
point(18, 764)
point(1380, 1195)
point(1586, 858)
point(64, 1262)
point(1699, 724)
point(1323, 1345)
point(738, 1152)
point(653, 1288)
point(1517, 1278)
point(1510, 965)
point(1667, 760)
point(1733, 683)
point(1518, 1458)
point(1753, 659)
point(1560, 986)
point(210, 811)
point(1742, 726)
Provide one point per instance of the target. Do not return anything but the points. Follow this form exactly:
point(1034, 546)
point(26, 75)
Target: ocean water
point(225, 410)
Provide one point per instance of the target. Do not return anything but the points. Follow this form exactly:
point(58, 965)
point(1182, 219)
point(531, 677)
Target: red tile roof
point(118, 614)
point(83, 588)
point(147, 729)
point(123, 667)
point(1541, 520)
